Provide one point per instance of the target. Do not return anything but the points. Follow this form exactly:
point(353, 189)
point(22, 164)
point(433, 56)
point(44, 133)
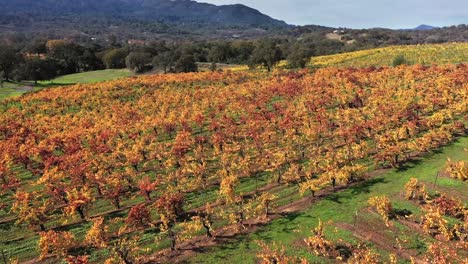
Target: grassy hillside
point(12, 89)
point(414, 54)
point(142, 162)
point(89, 77)
point(351, 207)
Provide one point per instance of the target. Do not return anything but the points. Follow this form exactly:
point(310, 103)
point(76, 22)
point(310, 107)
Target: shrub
point(399, 60)
point(383, 206)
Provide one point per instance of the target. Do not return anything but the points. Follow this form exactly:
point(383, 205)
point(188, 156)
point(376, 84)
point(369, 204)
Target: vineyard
point(130, 171)
point(419, 222)
point(421, 54)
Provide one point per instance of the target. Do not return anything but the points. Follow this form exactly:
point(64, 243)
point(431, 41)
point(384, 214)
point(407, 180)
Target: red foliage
point(139, 215)
point(449, 206)
point(170, 205)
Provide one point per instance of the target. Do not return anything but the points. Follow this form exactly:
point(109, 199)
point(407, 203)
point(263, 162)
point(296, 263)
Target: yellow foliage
point(415, 191)
point(55, 243)
point(383, 206)
point(97, 234)
point(318, 243)
point(269, 255)
point(433, 219)
point(458, 170)
point(364, 255)
point(414, 54)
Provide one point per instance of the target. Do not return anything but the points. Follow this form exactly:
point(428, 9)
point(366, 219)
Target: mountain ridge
point(424, 27)
point(166, 11)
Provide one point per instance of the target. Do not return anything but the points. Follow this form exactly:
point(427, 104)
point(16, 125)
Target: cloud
point(362, 13)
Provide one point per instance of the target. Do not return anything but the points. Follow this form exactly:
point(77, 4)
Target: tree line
point(45, 59)
point(39, 58)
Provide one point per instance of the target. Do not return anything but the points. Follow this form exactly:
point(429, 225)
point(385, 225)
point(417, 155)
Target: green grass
point(89, 77)
point(339, 207)
point(12, 89)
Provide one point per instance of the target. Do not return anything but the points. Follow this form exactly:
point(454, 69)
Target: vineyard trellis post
point(436, 178)
point(355, 218)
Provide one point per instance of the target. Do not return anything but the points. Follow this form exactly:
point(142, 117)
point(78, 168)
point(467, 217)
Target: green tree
point(67, 54)
point(9, 59)
point(36, 69)
point(186, 63)
point(137, 61)
point(242, 51)
point(164, 61)
point(89, 61)
point(220, 52)
point(299, 56)
point(266, 54)
point(115, 58)
point(36, 46)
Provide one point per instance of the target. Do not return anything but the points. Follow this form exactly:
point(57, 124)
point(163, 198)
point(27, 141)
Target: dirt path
point(377, 233)
point(416, 227)
point(25, 89)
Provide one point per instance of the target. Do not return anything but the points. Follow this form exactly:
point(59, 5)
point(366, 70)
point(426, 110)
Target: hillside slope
point(133, 144)
point(163, 11)
point(413, 54)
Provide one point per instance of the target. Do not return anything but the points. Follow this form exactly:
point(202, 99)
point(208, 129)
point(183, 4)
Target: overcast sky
point(361, 13)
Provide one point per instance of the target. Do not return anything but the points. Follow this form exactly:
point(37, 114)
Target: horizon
point(349, 14)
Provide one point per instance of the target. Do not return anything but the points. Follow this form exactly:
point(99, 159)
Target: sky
point(396, 14)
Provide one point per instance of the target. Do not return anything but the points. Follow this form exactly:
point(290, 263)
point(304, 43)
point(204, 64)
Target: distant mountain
point(170, 11)
point(153, 16)
point(424, 27)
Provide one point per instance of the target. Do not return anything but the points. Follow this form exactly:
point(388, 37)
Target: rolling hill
point(154, 16)
point(413, 54)
point(424, 27)
point(154, 160)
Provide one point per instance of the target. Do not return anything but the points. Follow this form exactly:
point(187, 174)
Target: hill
point(18, 88)
point(424, 27)
point(414, 54)
point(143, 163)
point(348, 221)
point(145, 20)
point(151, 16)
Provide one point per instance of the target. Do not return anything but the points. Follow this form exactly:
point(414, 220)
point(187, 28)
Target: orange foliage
point(86, 145)
point(55, 243)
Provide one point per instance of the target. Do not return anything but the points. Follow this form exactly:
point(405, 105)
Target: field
point(206, 66)
point(127, 169)
point(349, 210)
point(421, 54)
point(12, 89)
point(89, 77)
